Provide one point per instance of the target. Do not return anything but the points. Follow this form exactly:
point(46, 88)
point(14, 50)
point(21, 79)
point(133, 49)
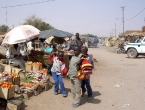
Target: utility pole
point(123, 18)
point(115, 29)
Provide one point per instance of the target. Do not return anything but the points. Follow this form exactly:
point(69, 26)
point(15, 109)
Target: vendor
point(30, 47)
point(14, 56)
point(77, 41)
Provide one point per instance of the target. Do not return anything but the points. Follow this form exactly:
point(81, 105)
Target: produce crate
point(37, 68)
point(28, 67)
point(10, 80)
point(16, 81)
point(27, 95)
point(45, 86)
point(6, 93)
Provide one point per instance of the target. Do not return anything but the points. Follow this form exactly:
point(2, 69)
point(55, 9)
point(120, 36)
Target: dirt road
point(118, 83)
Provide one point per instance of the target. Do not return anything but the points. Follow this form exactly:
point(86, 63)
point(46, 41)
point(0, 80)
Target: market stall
point(15, 82)
point(12, 85)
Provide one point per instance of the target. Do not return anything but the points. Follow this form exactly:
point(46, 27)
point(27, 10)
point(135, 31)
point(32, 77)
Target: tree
point(3, 28)
point(37, 22)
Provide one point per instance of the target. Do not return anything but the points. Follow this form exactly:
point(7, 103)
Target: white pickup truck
point(133, 50)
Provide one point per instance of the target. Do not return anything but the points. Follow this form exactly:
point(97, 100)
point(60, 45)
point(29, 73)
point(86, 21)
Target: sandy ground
point(118, 83)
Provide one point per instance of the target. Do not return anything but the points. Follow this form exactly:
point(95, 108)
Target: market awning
point(54, 32)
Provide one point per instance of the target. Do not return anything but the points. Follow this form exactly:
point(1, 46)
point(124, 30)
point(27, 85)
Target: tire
point(115, 50)
point(132, 53)
point(137, 55)
point(118, 51)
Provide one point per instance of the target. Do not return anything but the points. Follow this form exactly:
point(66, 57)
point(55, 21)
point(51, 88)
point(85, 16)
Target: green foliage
point(27, 79)
point(3, 28)
point(37, 22)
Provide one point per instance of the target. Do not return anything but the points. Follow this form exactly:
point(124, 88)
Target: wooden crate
point(14, 104)
point(22, 75)
point(6, 93)
point(45, 86)
point(16, 81)
point(27, 95)
point(10, 80)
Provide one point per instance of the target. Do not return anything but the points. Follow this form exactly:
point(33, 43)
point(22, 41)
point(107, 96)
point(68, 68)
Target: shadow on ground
point(68, 90)
point(93, 100)
point(24, 107)
point(139, 57)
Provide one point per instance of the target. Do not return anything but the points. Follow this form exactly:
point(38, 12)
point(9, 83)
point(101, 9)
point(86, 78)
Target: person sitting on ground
point(58, 68)
point(86, 82)
point(14, 56)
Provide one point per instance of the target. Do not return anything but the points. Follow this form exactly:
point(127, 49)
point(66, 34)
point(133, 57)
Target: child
point(86, 82)
point(57, 69)
point(72, 73)
point(52, 55)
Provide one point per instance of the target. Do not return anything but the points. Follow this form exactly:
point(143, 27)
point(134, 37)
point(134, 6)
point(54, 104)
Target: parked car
point(92, 41)
point(133, 50)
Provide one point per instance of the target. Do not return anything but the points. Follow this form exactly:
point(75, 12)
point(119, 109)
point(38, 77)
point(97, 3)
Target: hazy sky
point(96, 17)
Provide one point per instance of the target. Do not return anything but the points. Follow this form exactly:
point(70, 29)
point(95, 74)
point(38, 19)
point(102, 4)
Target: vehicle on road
point(133, 50)
point(92, 41)
point(120, 49)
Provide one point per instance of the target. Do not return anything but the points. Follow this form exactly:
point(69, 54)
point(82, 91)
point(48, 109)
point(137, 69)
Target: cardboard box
point(6, 93)
point(14, 104)
point(37, 68)
point(28, 67)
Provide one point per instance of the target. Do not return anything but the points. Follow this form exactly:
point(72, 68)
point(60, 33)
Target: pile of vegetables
point(27, 84)
point(4, 76)
point(6, 85)
point(14, 75)
point(34, 63)
point(27, 87)
point(29, 62)
point(37, 64)
point(36, 77)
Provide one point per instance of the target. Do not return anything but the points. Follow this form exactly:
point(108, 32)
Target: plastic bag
point(48, 50)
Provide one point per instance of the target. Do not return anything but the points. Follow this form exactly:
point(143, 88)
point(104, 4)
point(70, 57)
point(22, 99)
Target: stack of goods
point(39, 76)
point(4, 76)
point(7, 90)
point(6, 85)
point(26, 87)
point(33, 79)
point(37, 66)
point(15, 78)
point(10, 77)
point(33, 66)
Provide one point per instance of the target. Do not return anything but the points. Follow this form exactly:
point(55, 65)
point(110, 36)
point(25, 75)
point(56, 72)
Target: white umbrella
point(21, 34)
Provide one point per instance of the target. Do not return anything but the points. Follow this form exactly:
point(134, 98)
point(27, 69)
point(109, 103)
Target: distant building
point(132, 35)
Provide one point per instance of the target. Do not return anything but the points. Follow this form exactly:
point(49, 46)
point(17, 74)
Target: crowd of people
point(78, 87)
point(58, 68)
